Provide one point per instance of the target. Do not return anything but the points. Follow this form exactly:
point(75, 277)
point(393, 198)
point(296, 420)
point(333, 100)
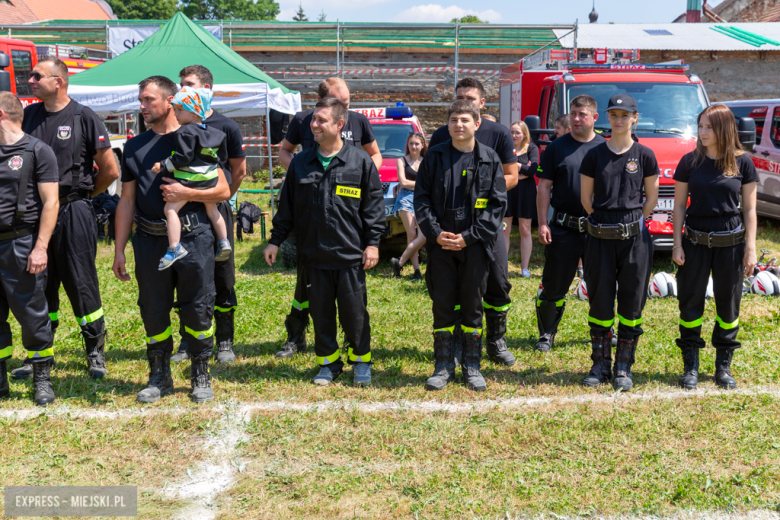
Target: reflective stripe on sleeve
point(151, 340)
point(629, 323)
point(200, 334)
point(603, 323)
point(690, 324)
point(40, 353)
point(365, 358)
point(89, 318)
point(327, 360)
point(727, 326)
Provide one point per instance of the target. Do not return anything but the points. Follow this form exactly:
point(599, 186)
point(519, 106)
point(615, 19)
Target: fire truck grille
point(385, 187)
point(666, 192)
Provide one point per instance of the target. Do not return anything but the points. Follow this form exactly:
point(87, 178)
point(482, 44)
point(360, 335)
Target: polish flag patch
point(101, 138)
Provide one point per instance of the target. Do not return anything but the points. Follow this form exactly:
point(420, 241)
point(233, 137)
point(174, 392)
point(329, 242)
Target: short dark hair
point(337, 108)
point(203, 74)
point(325, 86)
point(470, 83)
point(584, 100)
point(57, 65)
point(167, 86)
point(462, 106)
point(12, 107)
point(563, 120)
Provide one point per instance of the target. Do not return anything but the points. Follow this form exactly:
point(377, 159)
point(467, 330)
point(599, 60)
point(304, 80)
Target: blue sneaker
point(223, 250)
point(172, 254)
point(326, 375)
point(362, 374)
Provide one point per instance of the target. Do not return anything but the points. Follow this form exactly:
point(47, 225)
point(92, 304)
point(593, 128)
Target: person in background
point(717, 239)
point(521, 200)
point(562, 125)
point(489, 117)
point(404, 203)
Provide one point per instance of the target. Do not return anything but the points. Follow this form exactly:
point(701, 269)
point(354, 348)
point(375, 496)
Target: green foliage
point(230, 9)
point(300, 16)
point(322, 17)
point(144, 9)
point(469, 18)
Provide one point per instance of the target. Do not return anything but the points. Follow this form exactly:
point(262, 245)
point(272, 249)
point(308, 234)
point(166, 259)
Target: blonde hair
point(526, 136)
point(725, 129)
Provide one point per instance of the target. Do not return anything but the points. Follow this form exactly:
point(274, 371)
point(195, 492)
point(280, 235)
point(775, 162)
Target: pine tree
point(300, 16)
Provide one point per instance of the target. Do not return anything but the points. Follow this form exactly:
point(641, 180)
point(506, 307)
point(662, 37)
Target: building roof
point(14, 12)
point(669, 36)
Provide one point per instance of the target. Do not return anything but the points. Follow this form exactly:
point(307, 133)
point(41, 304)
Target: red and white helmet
point(582, 290)
point(662, 285)
point(765, 284)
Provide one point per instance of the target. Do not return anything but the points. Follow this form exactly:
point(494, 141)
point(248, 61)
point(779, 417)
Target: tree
point(322, 16)
point(230, 9)
point(469, 18)
point(300, 16)
point(143, 9)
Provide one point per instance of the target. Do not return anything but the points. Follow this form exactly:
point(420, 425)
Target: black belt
point(614, 231)
point(18, 232)
point(715, 239)
point(159, 228)
point(570, 221)
point(73, 196)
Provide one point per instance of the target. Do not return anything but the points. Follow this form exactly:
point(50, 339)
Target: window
point(775, 136)
point(554, 111)
point(758, 113)
point(391, 139)
point(658, 32)
point(22, 69)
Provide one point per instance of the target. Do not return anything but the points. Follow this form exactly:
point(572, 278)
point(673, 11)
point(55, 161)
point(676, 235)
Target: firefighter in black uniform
point(233, 163)
point(28, 213)
point(459, 200)
point(564, 237)
point(496, 300)
point(357, 132)
point(333, 201)
point(77, 136)
point(715, 239)
point(192, 277)
point(619, 249)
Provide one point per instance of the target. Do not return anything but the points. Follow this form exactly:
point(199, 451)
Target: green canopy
point(240, 87)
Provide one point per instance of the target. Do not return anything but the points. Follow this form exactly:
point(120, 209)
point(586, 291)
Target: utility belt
point(73, 196)
point(570, 221)
point(715, 238)
point(159, 228)
point(614, 231)
point(18, 232)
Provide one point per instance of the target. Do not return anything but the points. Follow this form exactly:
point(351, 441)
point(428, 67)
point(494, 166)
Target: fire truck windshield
point(664, 108)
point(391, 138)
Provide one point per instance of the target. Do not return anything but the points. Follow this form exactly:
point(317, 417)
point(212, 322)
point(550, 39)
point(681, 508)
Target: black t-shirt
point(461, 163)
point(44, 170)
point(560, 164)
point(712, 193)
point(235, 142)
point(56, 130)
point(489, 133)
point(357, 130)
point(618, 179)
point(141, 152)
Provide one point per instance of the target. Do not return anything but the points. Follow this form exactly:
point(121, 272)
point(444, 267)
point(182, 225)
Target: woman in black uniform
point(619, 248)
point(715, 239)
point(521, 200)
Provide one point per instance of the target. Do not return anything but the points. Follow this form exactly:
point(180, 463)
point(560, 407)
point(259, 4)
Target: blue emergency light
point(398, 112)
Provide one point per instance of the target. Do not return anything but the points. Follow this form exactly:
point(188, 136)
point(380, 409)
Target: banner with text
point(121, 39)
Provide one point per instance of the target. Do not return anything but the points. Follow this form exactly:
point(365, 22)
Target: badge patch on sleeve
point(15, 162)
point(632, 166)
point(481, 203)
point(346, 191)
point(63, 132)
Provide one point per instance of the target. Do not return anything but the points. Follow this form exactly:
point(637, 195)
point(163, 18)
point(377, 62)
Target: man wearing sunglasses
point(78, 137)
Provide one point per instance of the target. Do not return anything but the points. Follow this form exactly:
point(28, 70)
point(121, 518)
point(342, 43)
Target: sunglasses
point(418, 134)
point(37, 76)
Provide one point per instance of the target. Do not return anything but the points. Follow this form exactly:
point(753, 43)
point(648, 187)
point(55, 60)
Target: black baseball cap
point(622, 102)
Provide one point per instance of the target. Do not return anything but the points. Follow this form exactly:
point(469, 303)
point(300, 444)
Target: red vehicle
point(669, 102)
point(391, 127)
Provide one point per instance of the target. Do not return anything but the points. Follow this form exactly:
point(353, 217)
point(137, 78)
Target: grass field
point(272, 445)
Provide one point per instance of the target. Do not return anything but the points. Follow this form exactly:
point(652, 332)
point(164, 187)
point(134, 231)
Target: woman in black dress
point(521, 200)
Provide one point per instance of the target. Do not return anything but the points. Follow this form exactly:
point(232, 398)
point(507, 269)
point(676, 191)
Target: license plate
point(667, 204)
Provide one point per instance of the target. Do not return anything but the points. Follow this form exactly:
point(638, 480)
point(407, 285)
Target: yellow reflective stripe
point(559, 303)
point(89, 318)
point(603, 323)
point(727, 326)
point(470, 330)
point(225, 309)
point(481, 204)
point(629, 323)
point(503, 308)
point(159, 337)
point(690, 324)
point(346, 191)
point(365, 358)
point(200, 334)
point(54, 316)
point(300, 305)
point(6, 352)
point(327, 360)
point(178, 174)
point(457, 307)
point(40, 353)
point(451, 330)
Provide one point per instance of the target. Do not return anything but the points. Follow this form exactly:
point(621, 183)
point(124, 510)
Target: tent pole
point(270, 160)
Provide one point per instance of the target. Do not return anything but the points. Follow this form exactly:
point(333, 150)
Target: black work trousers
point(24, 294)
point(72, 253)
point(225, 272)
point(497, 300)
point(342, 290)
point(192, 279)
point(627, 263)
point(727, 269)
point(561, 258)
point(457, 276)
point(300, 304)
